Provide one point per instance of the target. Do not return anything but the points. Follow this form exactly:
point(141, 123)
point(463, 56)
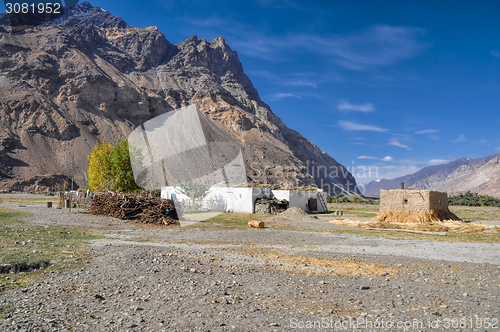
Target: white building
point(242, 200)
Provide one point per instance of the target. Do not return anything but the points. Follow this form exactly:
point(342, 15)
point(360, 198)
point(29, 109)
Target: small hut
point(414, 206)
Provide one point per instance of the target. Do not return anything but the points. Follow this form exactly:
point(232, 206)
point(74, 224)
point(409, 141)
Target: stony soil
point(260, 280)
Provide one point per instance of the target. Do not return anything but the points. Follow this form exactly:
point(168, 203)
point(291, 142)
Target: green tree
point(194, 190)
point(110, 168)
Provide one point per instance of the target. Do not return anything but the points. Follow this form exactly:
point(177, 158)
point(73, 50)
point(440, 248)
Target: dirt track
point(256, 280)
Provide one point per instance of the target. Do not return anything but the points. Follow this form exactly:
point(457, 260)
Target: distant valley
point(481, 175)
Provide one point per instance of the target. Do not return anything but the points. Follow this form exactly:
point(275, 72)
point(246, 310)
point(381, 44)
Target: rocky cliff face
point(89, 76)
point(481, 175)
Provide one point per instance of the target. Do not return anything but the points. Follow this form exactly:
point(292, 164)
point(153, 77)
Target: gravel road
point(258, 280)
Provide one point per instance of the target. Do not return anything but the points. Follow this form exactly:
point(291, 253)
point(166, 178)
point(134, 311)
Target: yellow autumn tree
point(100, 167)
point(110, 168)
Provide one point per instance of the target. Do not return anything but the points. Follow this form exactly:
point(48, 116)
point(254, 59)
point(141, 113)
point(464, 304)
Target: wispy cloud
point(460, 138)
point(438, 161)
point(294, 79)
point(495, 53)
point(380, 45)
point(366, 144)
point(352, 126)
point(388, 158)
point(427, 131)
point(481, 142)
point(395, 142)
point(347, 106)
point(377, 46)
point(279, 96)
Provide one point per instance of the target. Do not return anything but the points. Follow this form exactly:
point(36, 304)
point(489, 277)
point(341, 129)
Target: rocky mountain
point(481, 175)
point(88, 76)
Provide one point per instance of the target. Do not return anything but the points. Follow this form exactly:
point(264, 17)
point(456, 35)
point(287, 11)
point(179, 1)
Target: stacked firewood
point(137, 208)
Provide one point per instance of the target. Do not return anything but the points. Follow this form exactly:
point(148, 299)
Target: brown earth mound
point(296, 214)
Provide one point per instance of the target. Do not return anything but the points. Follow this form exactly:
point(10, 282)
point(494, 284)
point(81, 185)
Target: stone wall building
point(408, 200)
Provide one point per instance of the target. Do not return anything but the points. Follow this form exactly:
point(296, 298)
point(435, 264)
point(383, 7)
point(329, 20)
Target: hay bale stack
point(134, 207)
point(416, 217)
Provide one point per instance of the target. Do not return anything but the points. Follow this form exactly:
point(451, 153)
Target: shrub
point(355, 200)
point(473, 199)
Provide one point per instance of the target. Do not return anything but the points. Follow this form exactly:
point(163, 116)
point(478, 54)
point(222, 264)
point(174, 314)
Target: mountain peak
point(84, 14)
point(95, 78)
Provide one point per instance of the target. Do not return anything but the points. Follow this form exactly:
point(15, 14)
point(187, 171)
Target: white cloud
point(279, 96)
point(352, 126)
point(377, 46)
point(294, 79)
point(495, 53)
point(388, 158)
point(427, 131)
point(460, 138)
point(380, 45)
point(395, 142)
point(347, 106)
point(438, 161)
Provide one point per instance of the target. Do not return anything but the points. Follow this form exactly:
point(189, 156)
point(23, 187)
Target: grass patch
point(451, 237)
point(29, 247)
point(226, 221)
point(476, 213)
point(31, 200)
point(358, 212)
point(6, 310)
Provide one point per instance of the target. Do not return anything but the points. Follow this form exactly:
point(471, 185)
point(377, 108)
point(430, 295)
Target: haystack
point(416, 217)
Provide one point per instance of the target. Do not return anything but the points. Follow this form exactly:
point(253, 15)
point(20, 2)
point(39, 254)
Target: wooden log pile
point(133, 207)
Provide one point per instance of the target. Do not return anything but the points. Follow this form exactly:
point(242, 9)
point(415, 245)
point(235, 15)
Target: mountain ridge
point(89, 76)
point(479, 175)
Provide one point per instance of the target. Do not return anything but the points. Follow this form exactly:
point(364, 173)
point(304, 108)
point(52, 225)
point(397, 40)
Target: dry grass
point(417, 217)
point(433, 226)
point(296, 263)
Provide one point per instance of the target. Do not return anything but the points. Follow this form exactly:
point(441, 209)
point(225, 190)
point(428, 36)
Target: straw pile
point(416, 217)
point(137, 208)
point(439, 226)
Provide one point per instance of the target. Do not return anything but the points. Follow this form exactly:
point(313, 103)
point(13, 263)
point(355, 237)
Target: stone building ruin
point(413, 200)
point(414, 206)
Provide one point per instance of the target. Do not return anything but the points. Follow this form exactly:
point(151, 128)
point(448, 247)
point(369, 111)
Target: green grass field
point(225, 221)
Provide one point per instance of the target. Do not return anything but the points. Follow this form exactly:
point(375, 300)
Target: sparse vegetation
point(226, 221)
point(473, 199)
point(32, 248)
point(352, 200)
point(30, 200)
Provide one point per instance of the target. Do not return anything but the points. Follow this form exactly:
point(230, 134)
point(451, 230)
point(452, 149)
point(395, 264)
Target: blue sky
point(395, 84)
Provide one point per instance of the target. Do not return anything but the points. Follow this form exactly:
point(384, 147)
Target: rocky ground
point(143, 279)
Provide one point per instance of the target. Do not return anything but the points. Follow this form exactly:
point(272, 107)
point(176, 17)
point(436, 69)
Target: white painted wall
point(242, 200)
